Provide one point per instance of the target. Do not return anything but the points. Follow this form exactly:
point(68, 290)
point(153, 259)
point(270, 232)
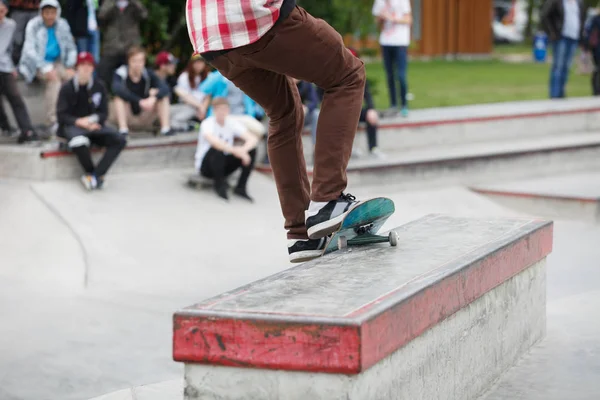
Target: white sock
point(165, 130)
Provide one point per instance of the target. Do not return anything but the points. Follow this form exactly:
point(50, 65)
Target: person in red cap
point(259, 45)
point(166, 64)
point(82, 112)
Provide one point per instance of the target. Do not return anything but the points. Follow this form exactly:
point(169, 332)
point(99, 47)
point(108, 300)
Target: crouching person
point(218, 156)
point(82, 111)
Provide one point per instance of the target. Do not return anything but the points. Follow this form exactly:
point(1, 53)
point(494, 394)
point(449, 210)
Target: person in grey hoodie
point(8, 81)
point(49, 53)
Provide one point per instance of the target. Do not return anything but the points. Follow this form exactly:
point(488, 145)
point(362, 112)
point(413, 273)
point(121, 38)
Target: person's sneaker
point(305, 250)
point(89, 181)
point(377, 153)
point(404, 112)
point(243, 194)
point(221, 190)
point(323, 219)
point(100, 182)
point(28, 136)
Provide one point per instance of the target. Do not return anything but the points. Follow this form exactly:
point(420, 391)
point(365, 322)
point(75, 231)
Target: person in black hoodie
point(82, 111)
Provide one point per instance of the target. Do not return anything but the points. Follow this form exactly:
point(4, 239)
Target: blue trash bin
point(540, 47)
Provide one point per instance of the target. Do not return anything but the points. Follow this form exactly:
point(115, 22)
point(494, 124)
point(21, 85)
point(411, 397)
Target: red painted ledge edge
point(536, 196)
point(350, 349)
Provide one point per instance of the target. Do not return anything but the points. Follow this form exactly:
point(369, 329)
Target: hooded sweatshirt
point(45, 45)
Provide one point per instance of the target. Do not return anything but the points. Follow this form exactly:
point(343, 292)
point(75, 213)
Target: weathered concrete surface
point(573, 196)
point(455, 360)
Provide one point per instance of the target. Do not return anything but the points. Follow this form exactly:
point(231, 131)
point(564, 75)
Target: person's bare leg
point(163, 108)
point(120, 108)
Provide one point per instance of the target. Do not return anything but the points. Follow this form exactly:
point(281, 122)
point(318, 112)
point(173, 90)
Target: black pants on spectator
point(218, 166)
point(106, 137)
point(108, 65)
point(596, 73)
point(9, 89)
point(371, 129)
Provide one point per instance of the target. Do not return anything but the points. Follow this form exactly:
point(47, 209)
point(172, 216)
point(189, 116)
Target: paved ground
point(88, 282)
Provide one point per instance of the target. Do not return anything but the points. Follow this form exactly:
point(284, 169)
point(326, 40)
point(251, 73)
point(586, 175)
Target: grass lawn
point(442, 83)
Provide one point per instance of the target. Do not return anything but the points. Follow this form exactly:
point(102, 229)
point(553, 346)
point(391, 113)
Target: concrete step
point(45, 161)
point(570, 196)
point(479, 162)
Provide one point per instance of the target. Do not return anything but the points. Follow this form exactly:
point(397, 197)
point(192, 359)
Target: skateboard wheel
point(342, 242)
point(393, 238)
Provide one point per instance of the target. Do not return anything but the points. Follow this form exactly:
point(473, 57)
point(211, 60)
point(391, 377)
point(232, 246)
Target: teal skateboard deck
point(361, 225)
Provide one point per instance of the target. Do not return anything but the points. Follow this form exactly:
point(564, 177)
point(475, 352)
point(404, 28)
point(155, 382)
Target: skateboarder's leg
point(309, 49)
point(280, 99)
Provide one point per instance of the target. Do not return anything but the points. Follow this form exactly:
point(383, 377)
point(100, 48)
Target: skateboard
point(195, 181)
point(360, 226)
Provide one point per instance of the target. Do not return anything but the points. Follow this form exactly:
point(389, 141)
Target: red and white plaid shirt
point(227, 24)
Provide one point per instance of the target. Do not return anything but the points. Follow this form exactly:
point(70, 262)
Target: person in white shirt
point(191, 99)
point(217, 154)
point(394, 18)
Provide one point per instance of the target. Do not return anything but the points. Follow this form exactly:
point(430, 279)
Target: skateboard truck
point(365, 237)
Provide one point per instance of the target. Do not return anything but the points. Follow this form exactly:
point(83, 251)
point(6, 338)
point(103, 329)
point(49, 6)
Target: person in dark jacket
point(119, 22)
point(141, 97)
point(81, 16)
point(563, 21)
point(591, 44)
point(368, 115)
point(82, 111)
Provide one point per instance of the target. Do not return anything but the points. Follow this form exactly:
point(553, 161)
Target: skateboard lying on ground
point(196, 181)
point(360, 226)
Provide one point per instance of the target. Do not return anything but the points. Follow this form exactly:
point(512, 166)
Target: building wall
point(452, 27)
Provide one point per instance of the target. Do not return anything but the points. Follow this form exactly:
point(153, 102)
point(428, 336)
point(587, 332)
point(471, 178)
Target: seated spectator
point(8, 81)
point(310, 102)
point(242, 107)
point(82, 112)
point(141, 97)
point(217, 156)
point(49, 53)
point(22, 11)
point(166, 65)
point(119, 22)
point(81, 15)
point(190, 104)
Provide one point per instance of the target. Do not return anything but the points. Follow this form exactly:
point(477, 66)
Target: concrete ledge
point(566, 196)
point(458, 295)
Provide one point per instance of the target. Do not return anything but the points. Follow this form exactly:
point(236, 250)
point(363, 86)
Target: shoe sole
point(303, 256)
point(330, 226)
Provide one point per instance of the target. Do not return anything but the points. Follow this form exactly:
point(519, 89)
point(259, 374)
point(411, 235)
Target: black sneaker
point(305, 250)
point(28, 136)
point(240, 192)
point(322, 219)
